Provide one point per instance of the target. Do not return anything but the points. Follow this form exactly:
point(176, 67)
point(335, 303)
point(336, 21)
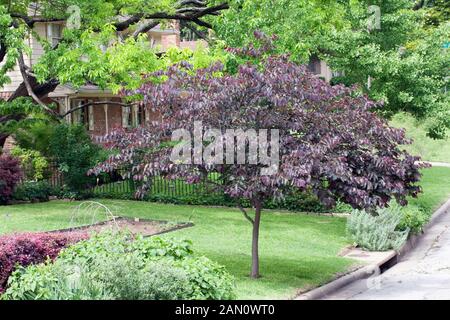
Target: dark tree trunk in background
point(255, 240)
point(4, 119)
point(2, 140)
point(41, 90)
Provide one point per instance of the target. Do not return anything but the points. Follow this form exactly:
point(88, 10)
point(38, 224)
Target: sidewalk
point(422, 274)
point(419, 274)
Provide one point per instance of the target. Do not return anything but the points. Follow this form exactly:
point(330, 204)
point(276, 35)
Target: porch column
point(135, 115)
point(126, 114)
point(67, 109)
point(147, 116)
point(105, 108)
point(91, 117)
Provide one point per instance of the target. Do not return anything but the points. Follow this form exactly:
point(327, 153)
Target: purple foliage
point(10, 175)
point(31, 248)
point(331, 141)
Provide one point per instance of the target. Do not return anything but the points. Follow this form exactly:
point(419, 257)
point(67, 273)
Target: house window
point(186, 34)
point(314, 65)
point(141, 115)
point(338, 74)
point(84, 115)
point(54, 33)
point(126, 117)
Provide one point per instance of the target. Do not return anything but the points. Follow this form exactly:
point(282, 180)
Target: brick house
point(101, 119)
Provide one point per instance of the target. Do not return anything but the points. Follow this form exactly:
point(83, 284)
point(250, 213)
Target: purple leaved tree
point(316, 136)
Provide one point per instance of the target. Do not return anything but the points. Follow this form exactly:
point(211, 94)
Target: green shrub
point(121, 266)
point(36, 136)
point(377, 232)
point(33, 164)
point(34, 191)
point(413, 218)
point(125, 279)
point(52, 281)
point(209, 280)
point(75, 153)
point(65, 193)
point(300, 201)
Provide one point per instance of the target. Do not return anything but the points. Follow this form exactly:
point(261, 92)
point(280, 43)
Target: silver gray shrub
point(377, 232)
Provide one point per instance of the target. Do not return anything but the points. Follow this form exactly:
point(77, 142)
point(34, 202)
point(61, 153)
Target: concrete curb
point(374, 268)
point(414, 239)
point(363, 273)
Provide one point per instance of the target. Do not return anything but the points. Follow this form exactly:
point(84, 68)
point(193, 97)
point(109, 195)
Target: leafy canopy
point(404, 58)
point(331, 141)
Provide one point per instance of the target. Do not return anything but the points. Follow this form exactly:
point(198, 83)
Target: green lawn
point(297, 250)
point(436, 188)
point(427, 148)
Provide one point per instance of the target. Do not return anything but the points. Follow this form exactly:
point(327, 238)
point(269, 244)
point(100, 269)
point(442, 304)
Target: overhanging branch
point(196, 10)
point(145, 27)
point(194, 13)
point(31, 21)
point(246, 214)
point(198, 3)
point(3, 51)
point(198, 33)
point(29, 87)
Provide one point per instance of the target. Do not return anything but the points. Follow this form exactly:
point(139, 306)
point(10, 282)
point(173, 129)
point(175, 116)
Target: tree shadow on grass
point(281, 277)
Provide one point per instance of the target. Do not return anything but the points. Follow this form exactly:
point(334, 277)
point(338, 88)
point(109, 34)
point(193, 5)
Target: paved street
point(423, 273)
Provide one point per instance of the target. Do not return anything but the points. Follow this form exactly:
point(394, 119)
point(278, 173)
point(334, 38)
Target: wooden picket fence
point(56, 179)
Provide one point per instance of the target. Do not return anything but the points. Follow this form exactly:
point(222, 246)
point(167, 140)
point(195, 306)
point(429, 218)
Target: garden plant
point(330, 139)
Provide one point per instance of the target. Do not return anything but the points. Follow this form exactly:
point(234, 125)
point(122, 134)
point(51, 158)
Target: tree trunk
point(255, 241)
point(2, 140)
point(41, 90)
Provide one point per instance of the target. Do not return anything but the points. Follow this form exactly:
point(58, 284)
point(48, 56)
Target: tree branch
point(28, 85)
point(198, 3)
point(31, 21)
point(183, 14)
point(245, 214)
point(123, 25)
point(419, 4)
point(202, 23)
point(3, 50)
point(198, 33)
point(199, 9)
point(145, 28)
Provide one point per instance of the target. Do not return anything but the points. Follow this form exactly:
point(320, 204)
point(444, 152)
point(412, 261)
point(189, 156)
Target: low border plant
point(31, 248)
point(125, 267)
point(377, 231)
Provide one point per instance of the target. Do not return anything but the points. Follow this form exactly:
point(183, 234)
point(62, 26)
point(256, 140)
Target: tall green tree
point(387, 47)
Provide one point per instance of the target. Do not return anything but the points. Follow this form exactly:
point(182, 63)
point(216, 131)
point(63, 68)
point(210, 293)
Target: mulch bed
point(144, 227)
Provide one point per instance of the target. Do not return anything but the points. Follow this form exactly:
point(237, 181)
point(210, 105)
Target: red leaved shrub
point(31, 248)
point(10, 175)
